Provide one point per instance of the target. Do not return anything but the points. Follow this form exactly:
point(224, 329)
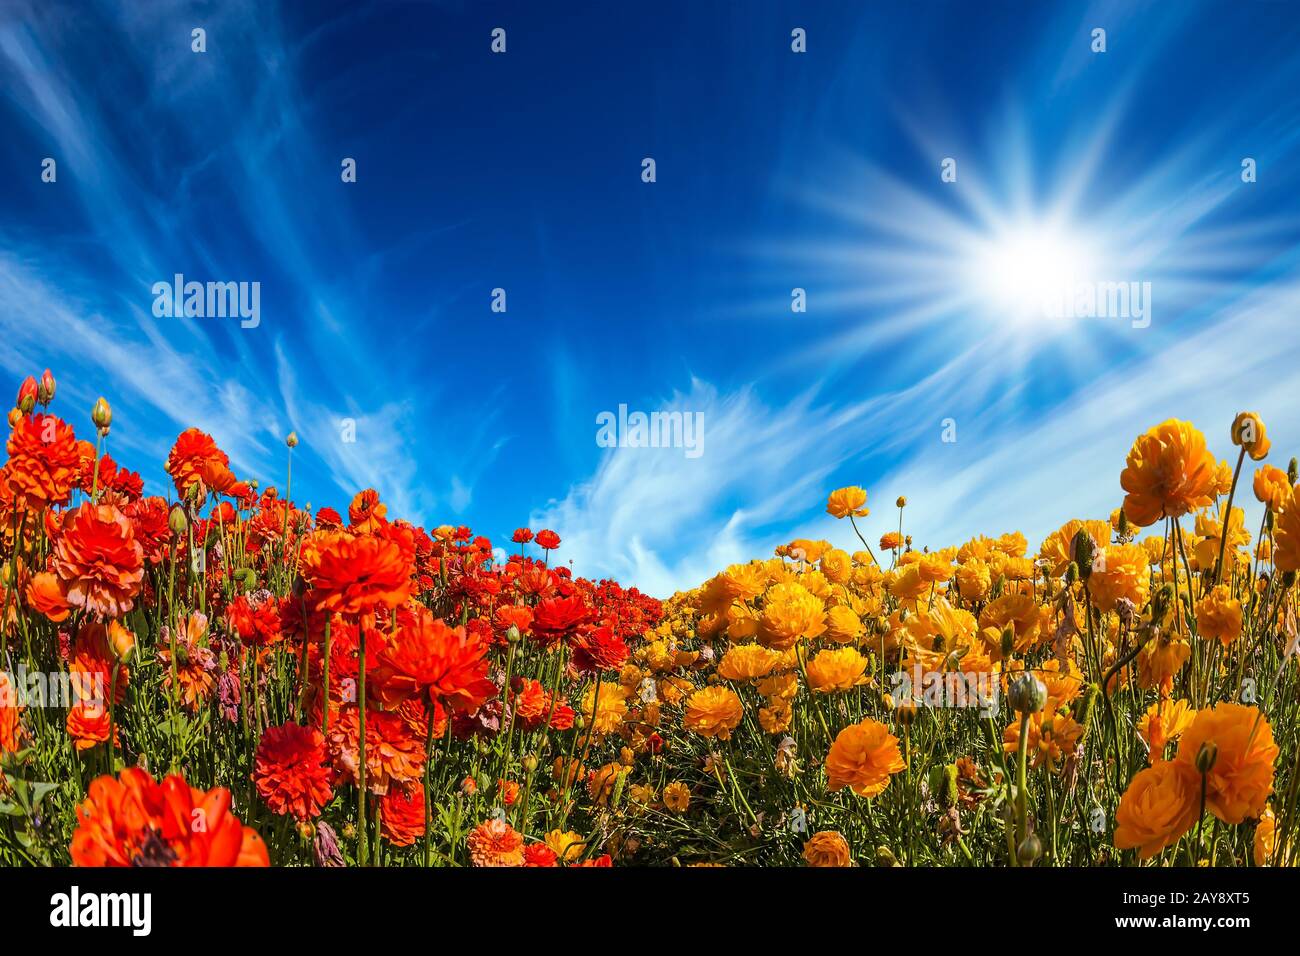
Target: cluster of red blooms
point(357, 611)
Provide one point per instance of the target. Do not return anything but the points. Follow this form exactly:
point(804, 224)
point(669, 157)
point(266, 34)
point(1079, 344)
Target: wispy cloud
point(89, 316)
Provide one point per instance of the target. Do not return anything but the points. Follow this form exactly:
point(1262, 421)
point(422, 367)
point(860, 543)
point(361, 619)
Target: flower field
point(218, 677)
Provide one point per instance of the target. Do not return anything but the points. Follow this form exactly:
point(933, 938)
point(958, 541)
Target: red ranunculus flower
point(290, 772)
point(131, 820)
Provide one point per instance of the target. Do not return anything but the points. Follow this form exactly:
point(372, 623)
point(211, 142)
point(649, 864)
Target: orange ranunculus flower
point(1159, 806)
point(395, 753)
point(1119, 571)
point(366, 512)
point(11, 728)
point(843, 626)
point(289, 771)
point(495, 843)
point(88, 724)
point(841, 669)
point(604, 706)
point(195, 662)
point(836, 565)
point(567, 845)
point(1162, 658)
point(355, 574)
point(743, 662)
point(519, 616)
point(530, 703)
point(1248, 432)
point(99, 563)
point(1169, 473)
point(1272, 487)
point(1240, 780)
point(1051, 736)
point(193, 452)
point(1057, 550)
point(827, 848)
point(805, 549)
point(791, 612)
point(401, 815)
point(1030, 623)
point(862, 757)
point(1286, 556)
point(217, 476)
point(44, 596)
point(713, 712)
point(1265, 839)
point(94, 659)
point(1165, 720)
point(43, 461)
point(843, 502)
point(132, 820)
point(425, 655)
point(677, 797)
point(1218, 615)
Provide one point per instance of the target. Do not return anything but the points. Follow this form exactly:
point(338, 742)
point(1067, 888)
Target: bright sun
point(1022, 271)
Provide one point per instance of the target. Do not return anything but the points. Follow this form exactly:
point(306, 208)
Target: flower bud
point(1008, 642)
point(885, 857)
point(1207, 756)
point(1248, 431)
point(1027, 694)
point(513, 635)
point(15, 416)
point(1090, 698)
point(45, 388)
point(905, 712)
point(27, 393)
point(1081, 550)
point(177, 521)
point(530, 763)
point(619, 783)
point(121, 640)
point(1030, 849)
point(901, 502)
point(1123, 524)
point(292, 440)
point(942, 779)
point(101, 415)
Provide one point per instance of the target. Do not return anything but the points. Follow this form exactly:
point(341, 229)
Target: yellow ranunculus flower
point(843, 502)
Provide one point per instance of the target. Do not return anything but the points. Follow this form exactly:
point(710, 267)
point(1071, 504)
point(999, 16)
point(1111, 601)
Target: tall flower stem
point(1227, 517)
point(864, 540)
point(1022, 787)
point(325, 682)
point(431, 709)
point(363, 844)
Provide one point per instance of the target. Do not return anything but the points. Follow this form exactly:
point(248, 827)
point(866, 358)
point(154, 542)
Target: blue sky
point(775, 170)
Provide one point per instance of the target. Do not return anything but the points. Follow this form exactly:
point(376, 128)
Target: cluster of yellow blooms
point(1137, 675)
